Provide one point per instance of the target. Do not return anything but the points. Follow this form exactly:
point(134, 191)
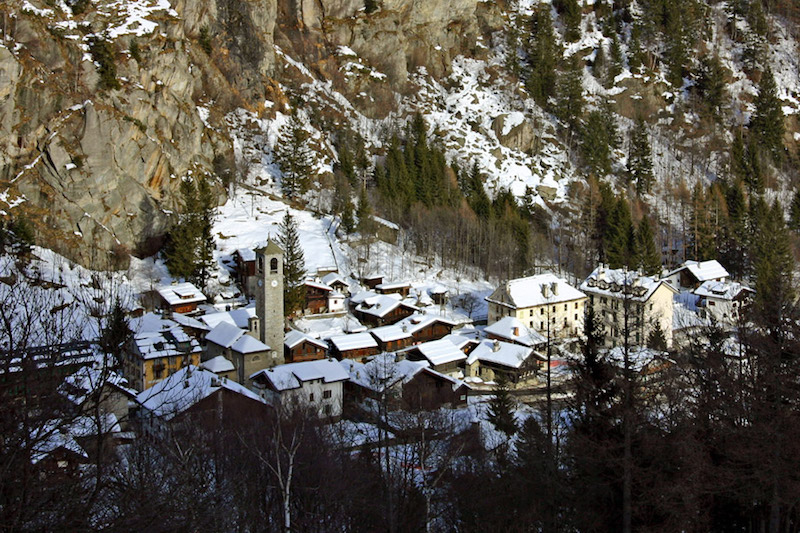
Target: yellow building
point(544, 303)
point(159, 349)
point(646, 300)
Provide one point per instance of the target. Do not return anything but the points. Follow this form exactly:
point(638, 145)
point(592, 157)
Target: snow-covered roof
point(87, 379)
point(151, 322)
point(393, 285)
point(224, 334)
point(181, 293)
point(185, 388)
point(511, 328)
point(249, 344)
point(362, 296)
point(390, 333)
point(317, 285)
point(294, 337)
point(217, 364)
point(418, 321)
point(354, 341)
point(704, 270)
point(238, 317)
point(542, 289)
point(293, 375)
point(189, 322)
point(620, 282)
point(247, 254)
point(334, 277)
point(722, 290)
point(169, 343)
point(501, 353)
point(381, 305)
point(441, 352)
point(382, 371)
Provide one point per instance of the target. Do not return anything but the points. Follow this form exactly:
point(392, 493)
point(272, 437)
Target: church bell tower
point(269, 299)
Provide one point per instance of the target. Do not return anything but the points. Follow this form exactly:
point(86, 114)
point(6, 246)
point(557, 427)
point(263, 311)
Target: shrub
point(205, 40)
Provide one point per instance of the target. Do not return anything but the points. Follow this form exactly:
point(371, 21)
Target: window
point(576, 305)
point(326, 395)
point(554, 308)
point(541, 325)
point(260, 264)
point(541, 311)
point(311, 397)
point(273, 265)
point(327, 410)
point(565, 307)
point(531, 313)
point(530, 324)
point(712, 304)
point(576, 316)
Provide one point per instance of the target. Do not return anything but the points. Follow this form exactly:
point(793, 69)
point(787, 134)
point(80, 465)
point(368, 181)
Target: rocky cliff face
point(99, 101)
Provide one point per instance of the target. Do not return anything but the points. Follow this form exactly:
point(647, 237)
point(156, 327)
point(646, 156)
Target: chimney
point(515, 331)
point(496, 346)
point(554, 288)
point(545, 290)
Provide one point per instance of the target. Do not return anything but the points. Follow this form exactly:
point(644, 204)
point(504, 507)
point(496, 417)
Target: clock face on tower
point(274, 282)
point(260, 283)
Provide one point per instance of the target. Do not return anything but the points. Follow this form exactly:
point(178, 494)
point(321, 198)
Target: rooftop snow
point(292, 376)
point(534, 291)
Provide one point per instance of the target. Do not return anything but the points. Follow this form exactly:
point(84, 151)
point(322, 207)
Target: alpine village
point(400, 266)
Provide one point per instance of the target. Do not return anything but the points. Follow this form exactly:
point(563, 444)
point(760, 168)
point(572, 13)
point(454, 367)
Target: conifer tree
point(294, 269)
point(543, 57)
point(205, 246)
point(621, 237)
point(501, 406)
point(294, 158)
point(635, 51)
point(640, 164)
point(617, 62)
point(733, 240)
point(600, 64)
point(648, 258)
point(180, 252)
point(711, 85)
point(348, 221)
point(364, 213)
point(570, 11)
point(794, 211)
point(767, 122)
point(570, 88)
point(598, 139)
point(702, 238)
point(774, 265)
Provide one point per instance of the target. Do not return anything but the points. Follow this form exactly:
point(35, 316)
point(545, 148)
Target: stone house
point(648, 302)
point(542, 303)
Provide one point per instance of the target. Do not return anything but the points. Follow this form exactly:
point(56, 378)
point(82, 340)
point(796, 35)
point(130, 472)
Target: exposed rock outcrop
point(99, 112)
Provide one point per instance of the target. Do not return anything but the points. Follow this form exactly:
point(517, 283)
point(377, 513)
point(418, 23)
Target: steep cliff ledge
point(99, 100)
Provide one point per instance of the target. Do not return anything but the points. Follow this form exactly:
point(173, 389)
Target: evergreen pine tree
point(205, 263)
point(543, 57)
point(294, 269)
point(711, 85)
point(640, 163)
point(180, 251)
point(600, 64)
point(570, 11)
point(635, 51)
point(738, 157)
point(501, 406)
point(294, 158)
point(767, 122)
point(648, 258)
point(570, 88)
point(773, 265)
point(794, 211)
point(754, 173)
point(116, 332)
point(656, 340)
point(702, 239)
point(364, 213)
point(621, 236)
point(598, 139)
point(617, 62)
point(348, 221)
